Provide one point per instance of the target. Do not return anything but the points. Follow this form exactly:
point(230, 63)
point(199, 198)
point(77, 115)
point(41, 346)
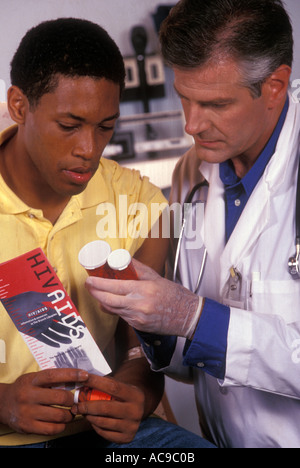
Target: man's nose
point(86, 147)
point(197, 120)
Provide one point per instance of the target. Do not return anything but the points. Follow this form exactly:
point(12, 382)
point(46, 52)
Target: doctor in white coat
point(236, 326)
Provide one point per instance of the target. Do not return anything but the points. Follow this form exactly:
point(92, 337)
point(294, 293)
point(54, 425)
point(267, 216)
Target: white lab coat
point(258, 403)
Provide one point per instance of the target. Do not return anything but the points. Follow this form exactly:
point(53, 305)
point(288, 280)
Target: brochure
point(46, 317)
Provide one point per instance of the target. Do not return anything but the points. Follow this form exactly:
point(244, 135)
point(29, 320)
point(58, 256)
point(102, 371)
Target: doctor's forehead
point(215, 80)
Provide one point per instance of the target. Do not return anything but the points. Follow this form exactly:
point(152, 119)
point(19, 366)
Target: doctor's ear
point(276, 86)
point(17, 104)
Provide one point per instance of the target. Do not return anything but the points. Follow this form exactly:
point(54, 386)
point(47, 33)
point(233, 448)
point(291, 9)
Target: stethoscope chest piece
point(294, 264)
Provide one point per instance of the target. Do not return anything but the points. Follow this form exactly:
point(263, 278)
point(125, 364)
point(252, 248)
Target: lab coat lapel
point(213, 230)
point(252, 222)
point(247, 231)
point(256, 214)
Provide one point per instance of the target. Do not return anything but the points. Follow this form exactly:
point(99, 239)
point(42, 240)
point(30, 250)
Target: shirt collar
point(227, 173)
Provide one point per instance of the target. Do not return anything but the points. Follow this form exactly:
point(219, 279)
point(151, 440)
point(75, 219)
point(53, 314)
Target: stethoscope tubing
point(189, 200)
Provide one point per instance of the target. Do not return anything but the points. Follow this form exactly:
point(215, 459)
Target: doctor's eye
point(219, 106)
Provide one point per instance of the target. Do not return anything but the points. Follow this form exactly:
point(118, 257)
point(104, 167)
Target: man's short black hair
point(65, 46)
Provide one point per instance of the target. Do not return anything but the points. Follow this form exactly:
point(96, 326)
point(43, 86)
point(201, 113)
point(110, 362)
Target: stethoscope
point(293, 263)
point(188, 201)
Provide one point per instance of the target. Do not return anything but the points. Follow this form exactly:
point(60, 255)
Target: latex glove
point(153, 304)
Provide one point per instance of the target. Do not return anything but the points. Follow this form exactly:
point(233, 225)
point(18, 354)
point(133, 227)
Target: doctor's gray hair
point(256, 34)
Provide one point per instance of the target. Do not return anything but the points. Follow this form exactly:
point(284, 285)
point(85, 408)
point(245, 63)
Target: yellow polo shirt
point(99, 212)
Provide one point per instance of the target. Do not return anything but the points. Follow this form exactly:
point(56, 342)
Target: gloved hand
point(153, 304)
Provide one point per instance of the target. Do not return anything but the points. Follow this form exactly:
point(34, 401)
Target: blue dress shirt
point(208, 348)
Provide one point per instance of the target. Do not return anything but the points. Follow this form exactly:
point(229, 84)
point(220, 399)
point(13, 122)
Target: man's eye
point(67, 128)
point(105, 128)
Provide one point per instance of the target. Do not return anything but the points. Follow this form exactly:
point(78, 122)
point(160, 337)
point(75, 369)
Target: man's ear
point(277, 85)
point(17, 104)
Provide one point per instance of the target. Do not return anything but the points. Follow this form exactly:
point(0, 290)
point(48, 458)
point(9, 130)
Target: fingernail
point(83, 375)
point(89, 281)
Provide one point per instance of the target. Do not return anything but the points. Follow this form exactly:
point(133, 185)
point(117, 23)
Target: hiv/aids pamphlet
point(45, 316)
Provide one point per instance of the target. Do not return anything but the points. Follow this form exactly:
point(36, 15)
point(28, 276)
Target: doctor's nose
point(196, 121)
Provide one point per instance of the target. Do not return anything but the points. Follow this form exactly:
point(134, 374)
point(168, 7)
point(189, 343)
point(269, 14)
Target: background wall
point(118, 17)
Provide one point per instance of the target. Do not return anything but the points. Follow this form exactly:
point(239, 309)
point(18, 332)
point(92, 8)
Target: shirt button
point(237, 202)
point(31, 215)
point(200, 365)
point(157, 343)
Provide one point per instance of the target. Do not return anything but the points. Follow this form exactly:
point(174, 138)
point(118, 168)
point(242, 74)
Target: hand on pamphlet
point(28, 406)
point(76, 358)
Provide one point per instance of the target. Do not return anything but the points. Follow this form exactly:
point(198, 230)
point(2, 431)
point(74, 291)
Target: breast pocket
point(277, 298)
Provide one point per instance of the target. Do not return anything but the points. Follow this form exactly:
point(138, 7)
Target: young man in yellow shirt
point(67, 78)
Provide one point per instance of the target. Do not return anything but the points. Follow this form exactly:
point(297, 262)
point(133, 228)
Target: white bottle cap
point(76, 396)
point(94, 254)
point(119, 259)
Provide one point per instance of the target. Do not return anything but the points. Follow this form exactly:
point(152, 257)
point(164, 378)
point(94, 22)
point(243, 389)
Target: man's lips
point(207, 143)
point(79, 175)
